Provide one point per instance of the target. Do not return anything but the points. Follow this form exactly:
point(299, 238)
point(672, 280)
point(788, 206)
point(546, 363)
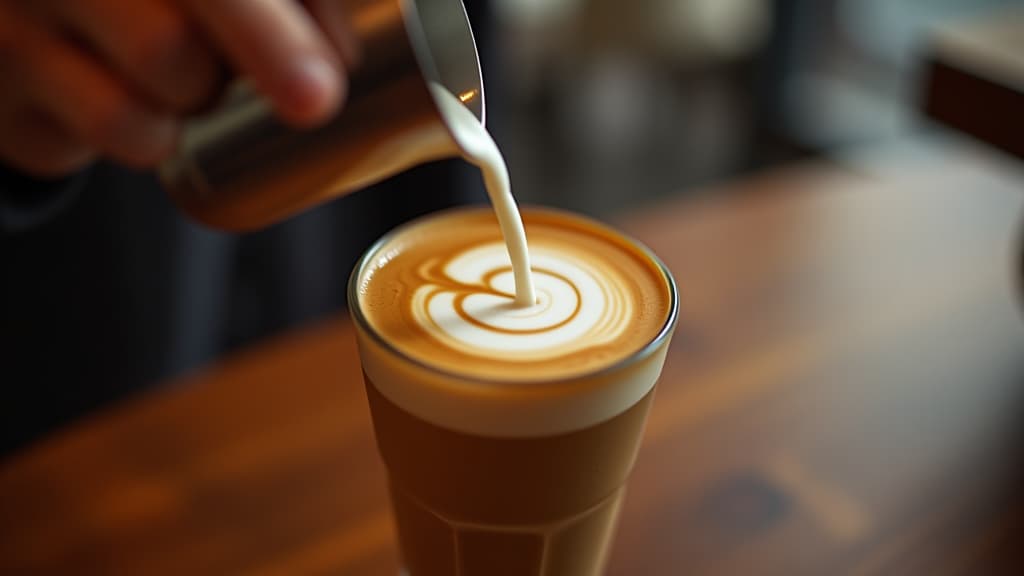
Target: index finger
point(278, 45)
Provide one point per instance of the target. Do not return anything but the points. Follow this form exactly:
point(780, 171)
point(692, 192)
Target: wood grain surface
point(844, 395)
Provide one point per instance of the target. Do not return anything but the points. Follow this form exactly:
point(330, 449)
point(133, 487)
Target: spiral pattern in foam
point(441, 336)
point(441, 291)
point(468, 301)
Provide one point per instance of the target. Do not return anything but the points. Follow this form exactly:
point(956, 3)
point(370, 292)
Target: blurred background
point(599, 106)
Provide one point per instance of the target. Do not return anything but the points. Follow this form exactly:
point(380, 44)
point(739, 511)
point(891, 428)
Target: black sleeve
point(26, 202)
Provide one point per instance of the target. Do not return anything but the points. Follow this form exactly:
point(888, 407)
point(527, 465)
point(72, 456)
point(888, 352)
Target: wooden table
point(845, 395)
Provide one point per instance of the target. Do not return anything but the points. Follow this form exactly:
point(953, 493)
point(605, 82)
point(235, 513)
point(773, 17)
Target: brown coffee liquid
point(509, 432)
point(480, 506)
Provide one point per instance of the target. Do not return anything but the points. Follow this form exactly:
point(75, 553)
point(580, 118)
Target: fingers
point(335, 24)
point(64, 83)
point(113, 78)
point(279, 46)
point(149, 43)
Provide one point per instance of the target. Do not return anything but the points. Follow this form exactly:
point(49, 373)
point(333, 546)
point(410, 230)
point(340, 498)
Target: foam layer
point(440, 291)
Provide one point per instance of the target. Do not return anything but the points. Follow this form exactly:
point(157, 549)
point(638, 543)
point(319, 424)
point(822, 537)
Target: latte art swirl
point(442, 292)
point(468, 301)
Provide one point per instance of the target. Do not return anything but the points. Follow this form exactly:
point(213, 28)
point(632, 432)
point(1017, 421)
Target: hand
point(115, 78)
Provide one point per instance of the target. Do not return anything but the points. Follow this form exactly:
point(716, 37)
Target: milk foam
point(439, 293)
point(576, 307)
point(501, 345)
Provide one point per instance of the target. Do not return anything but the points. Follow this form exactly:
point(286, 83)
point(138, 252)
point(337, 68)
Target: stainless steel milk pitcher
point(239, 167)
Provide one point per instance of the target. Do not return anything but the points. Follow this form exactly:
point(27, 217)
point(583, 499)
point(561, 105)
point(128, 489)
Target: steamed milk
point(509, 389)
point(440, 291)
point(479, 149)
point(460, 294)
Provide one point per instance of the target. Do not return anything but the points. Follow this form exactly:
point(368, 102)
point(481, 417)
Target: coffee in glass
point(509, 431)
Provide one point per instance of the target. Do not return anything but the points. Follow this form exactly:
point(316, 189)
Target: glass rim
point(635, 357)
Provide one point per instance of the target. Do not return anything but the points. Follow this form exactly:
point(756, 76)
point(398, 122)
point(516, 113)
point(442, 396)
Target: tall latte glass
point(508, 432)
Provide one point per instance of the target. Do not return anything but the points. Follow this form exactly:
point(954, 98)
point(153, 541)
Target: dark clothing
point(107, 288)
